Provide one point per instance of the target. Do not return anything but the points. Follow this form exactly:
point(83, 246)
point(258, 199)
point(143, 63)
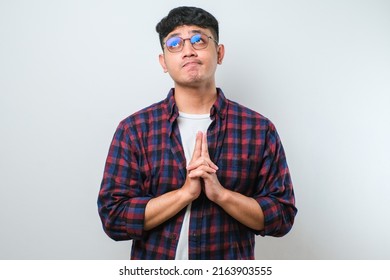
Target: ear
point(162, 62)
point(221, 53)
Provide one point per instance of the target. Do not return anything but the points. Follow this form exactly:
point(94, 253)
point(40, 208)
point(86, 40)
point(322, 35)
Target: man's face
point(191, 67)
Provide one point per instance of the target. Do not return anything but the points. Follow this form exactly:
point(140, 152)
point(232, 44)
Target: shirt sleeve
point(121, 203)
point(275, 190)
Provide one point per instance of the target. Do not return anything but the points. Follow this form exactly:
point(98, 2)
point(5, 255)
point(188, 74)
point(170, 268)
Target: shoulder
point(237, 111)
point(253, 124)
point(143, 117)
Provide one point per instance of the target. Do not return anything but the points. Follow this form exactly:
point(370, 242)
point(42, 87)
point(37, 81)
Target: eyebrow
point(192, 31)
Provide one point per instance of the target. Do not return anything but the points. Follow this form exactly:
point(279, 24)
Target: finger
point(198, 146)
point(203, 172)
point(201, 161)
point(205, 148)
point(205, 152)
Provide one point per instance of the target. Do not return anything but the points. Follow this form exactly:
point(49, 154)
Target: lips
point(191, 62)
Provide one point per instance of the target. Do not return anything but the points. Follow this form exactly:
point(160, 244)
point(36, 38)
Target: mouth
point(191, 63)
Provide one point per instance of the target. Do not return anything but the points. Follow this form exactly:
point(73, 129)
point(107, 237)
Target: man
point(195, 176)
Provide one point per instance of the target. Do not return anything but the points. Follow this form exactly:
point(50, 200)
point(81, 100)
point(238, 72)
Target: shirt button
point(173, 236)
point(194, 236)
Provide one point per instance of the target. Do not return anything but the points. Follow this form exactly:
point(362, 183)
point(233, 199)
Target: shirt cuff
point(271, 211)
point(135, 216)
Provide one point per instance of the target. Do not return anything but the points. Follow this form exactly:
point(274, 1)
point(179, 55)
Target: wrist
point(186, 195)
point(222, 197)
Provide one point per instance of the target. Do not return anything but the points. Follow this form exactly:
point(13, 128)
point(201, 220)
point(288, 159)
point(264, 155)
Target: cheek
point(172, 65)
point(215, 59)
point(214, 62)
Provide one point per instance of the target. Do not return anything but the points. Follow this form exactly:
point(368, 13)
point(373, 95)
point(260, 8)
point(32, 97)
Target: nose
point(188, 50)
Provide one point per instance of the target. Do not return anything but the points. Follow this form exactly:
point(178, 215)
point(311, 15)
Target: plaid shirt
point(146, 159)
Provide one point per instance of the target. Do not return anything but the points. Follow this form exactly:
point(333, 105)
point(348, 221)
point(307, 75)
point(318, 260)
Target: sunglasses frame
point(192, 44)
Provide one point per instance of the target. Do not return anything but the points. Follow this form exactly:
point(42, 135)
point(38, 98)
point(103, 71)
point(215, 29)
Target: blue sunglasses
point(198, 41)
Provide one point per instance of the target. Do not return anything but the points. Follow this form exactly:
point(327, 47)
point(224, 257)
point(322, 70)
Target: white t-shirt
point(189, 125)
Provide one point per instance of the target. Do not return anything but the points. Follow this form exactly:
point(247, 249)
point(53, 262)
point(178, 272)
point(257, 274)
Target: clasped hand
point(201, 172)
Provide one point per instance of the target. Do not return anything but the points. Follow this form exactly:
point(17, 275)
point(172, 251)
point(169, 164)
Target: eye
point(173, 42)
point(197, 39)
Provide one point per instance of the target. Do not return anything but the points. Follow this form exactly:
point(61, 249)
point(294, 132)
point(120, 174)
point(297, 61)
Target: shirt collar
point(220, 105)
point(170, 103)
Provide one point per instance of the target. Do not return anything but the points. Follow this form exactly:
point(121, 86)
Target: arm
point(164, 207)
point(244, 209)
point(271, 210)
point(125, 211)
point(275, 193)
point(121, 202)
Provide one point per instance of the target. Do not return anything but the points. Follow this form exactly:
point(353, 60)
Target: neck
point(195, 100)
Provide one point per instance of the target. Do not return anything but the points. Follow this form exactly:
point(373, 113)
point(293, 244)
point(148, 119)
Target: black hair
point(187, 16)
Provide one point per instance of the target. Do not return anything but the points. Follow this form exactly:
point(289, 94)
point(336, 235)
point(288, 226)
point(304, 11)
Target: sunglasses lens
point(197, 38)
point(199, 41)
point(174, 43)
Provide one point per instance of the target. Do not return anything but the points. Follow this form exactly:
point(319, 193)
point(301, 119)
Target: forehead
point(184, 30)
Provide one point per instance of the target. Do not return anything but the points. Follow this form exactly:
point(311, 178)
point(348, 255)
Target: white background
point(71, 70)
